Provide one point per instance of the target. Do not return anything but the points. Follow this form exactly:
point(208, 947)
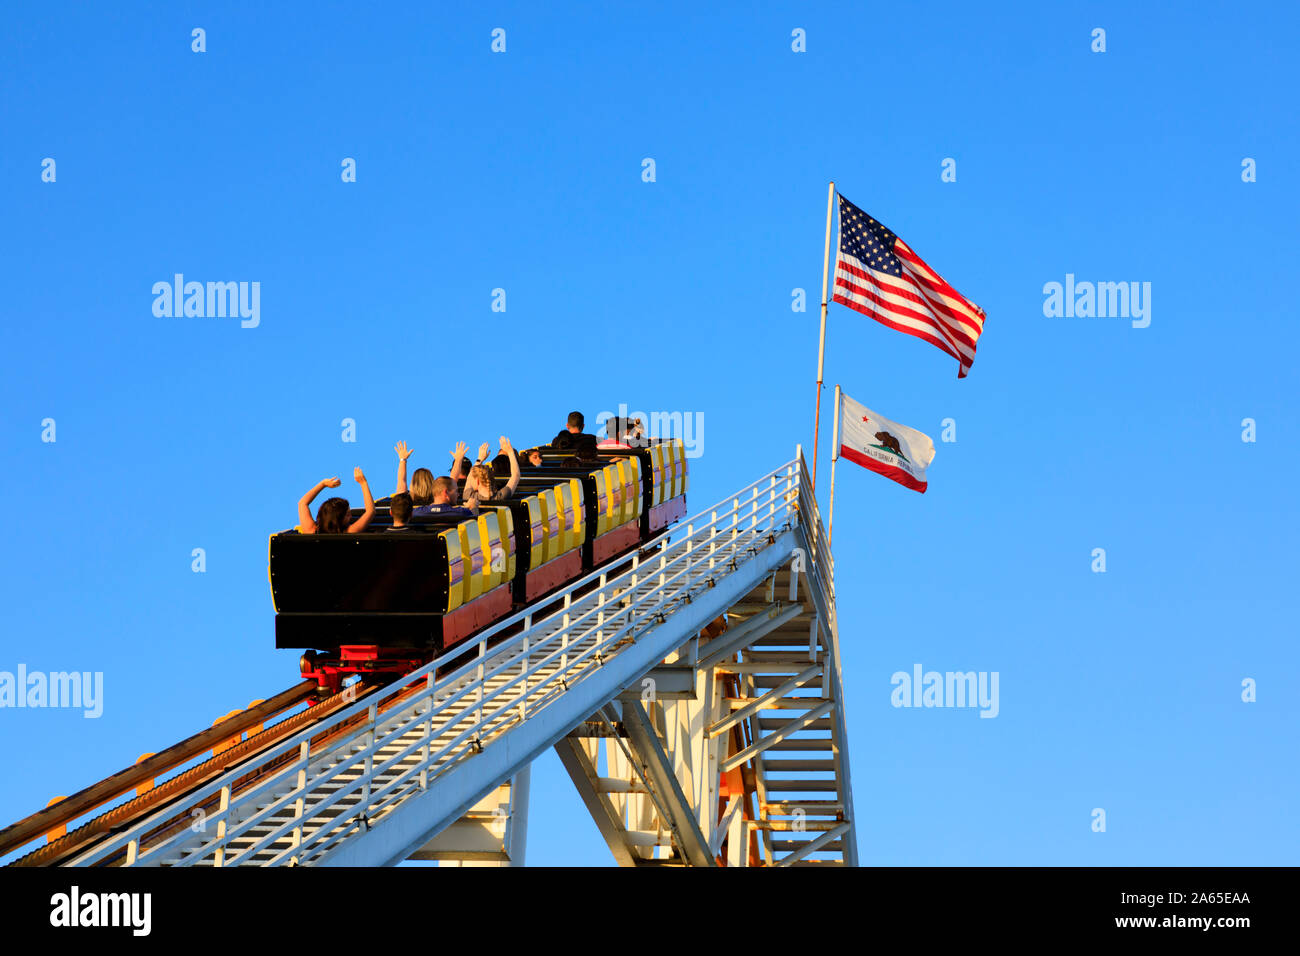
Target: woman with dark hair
point(332, 516)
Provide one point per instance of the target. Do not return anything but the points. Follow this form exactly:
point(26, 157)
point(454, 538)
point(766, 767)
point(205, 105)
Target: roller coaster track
point(693, 694)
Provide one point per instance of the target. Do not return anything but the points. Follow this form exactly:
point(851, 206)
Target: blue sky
point(523, 171)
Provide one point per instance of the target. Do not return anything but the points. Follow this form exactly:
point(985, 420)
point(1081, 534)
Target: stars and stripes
point(877, 274)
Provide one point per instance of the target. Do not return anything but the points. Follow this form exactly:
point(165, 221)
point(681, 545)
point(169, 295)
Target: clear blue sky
point(522, 171)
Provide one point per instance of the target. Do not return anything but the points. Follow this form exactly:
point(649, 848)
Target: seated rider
point(422, 481)
point(616, 431)
point(460, 466)
point(399, 507)
point(440, 501)
point(479, 484)
point(332, 516)
point(573, 437)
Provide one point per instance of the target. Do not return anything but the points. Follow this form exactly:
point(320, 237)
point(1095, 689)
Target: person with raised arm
point(421, 489)
point(479, 484)
point(422, 481)
point(332, 516)
point(403, 453)
point(460, 465)
point(458, 469)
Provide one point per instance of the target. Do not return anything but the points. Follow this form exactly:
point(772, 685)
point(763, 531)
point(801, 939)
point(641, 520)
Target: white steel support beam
point(724, 824)
point(668, 682)
point(493, 833)
point(645, 744)
point(582, 770)
point(516, 841)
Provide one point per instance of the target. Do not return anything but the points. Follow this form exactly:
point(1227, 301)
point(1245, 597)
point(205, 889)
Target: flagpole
point(835, 456)
point(821, 346)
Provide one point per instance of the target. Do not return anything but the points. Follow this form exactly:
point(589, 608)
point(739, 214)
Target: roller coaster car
point(379, 605)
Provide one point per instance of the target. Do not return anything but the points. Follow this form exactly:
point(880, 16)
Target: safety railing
point(326, 782)
point(823, 563)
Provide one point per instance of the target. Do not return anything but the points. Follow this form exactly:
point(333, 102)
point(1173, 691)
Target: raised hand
point(331, 482)
point(459, 451)
point(482, 451)
point(505, 445)
point(403, 452)
point(357, 476)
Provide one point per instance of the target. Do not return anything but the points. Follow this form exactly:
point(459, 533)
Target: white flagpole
point(821, 347)
point(835, 456)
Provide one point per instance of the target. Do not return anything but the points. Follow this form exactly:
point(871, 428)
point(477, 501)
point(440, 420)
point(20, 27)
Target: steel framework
point(695, 699)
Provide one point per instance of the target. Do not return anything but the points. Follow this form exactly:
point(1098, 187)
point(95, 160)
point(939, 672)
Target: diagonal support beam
point(813, 845)
point(753, 707)
point(724, 825)
point(645, 744)
point(756, 627)
point(608, 821)
point(785, 730)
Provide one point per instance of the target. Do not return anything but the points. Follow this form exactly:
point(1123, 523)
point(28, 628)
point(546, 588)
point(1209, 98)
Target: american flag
point(877, 274)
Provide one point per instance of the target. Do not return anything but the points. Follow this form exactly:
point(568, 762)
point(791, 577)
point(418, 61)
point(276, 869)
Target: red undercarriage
point(372, 660)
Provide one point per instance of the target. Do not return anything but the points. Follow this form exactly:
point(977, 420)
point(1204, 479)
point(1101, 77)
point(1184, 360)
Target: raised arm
point(506, 448)
point(403, 453)
point(458, 456)
point(306, 523)
point(482, 453)
point(360, 523)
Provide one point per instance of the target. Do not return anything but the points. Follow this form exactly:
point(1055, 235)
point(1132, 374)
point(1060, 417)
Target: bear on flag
point(885, 447)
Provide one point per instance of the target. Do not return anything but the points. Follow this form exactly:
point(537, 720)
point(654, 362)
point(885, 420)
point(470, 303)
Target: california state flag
point(886, 447)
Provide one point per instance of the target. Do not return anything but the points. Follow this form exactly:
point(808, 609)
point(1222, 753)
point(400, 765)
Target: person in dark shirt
point(441, 503)
point(573, 437)
point(399, 506)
